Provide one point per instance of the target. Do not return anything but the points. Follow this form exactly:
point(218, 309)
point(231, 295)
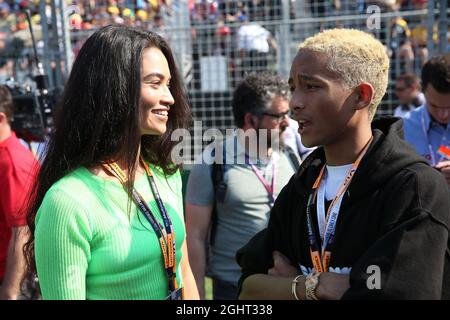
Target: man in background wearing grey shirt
point(249, 183)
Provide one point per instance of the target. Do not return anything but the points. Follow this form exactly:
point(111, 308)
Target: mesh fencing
point(222, 54)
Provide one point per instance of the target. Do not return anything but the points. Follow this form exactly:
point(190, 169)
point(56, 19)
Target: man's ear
point(364, 95)
point(3, 118)
point(249, 120)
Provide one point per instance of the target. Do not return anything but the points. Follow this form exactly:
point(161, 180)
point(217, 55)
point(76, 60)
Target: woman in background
point(107, 214)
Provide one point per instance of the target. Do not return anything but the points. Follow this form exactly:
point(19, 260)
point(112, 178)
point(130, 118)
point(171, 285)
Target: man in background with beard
point(230, 193)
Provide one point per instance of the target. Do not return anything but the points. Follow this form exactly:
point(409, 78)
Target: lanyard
point(321, 218)
point(166, 235)
point(430, 147)
point(321, 258)
point(270, 189)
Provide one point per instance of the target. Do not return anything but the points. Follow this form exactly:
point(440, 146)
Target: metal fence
point(219, 63)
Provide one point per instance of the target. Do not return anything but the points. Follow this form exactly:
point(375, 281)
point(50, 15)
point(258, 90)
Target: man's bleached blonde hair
point(356, 57)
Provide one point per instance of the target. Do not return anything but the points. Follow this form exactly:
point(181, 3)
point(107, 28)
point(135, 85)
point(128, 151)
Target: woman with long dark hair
point(106, 219)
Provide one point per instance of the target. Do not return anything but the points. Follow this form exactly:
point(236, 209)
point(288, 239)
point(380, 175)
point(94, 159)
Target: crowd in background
point(89, 14)
point(85, 14)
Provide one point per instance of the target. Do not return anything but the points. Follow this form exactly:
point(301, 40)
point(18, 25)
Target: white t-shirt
point(335, 177)
point(253, 37)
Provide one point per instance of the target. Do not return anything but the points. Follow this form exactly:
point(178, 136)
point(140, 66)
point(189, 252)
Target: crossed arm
point(277, 283)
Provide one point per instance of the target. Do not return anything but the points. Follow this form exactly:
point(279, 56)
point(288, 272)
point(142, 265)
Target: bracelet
point(294, 286)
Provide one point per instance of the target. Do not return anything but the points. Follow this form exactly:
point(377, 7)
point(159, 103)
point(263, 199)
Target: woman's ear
point(364, 95)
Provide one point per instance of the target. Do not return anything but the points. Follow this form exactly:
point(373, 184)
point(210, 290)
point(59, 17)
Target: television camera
point(33, 108)
point(33, 104)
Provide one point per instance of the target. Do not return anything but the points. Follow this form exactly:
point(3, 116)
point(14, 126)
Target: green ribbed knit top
point(88, 247)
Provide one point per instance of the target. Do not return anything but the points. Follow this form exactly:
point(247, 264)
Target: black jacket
point(394, 215)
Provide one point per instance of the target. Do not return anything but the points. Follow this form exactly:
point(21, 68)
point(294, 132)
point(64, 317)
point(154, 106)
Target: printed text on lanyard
point(321, 254)
point(165, 235)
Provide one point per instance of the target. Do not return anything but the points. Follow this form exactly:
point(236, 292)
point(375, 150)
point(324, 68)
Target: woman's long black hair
point(97, 119)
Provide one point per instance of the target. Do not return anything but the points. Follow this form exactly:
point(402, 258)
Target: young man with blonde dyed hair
point(364, 217)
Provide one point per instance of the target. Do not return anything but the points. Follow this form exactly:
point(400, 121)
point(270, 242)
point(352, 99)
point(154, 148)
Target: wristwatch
point(311, 283)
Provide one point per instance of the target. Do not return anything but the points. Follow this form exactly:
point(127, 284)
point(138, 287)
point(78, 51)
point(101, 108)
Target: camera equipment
point(32, 119)
point(27, 121)
point(33, 107)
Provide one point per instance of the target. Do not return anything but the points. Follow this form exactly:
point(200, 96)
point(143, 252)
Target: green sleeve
point(62, 246)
